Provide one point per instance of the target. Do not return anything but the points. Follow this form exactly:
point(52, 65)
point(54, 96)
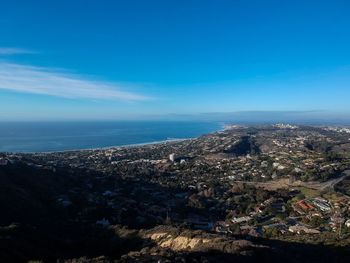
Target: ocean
point(64, 136)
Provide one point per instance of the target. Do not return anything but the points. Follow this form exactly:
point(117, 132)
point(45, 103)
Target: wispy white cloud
point(7, 51)
point(38, 80)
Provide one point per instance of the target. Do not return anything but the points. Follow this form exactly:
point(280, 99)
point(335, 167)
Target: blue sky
point(132, 59)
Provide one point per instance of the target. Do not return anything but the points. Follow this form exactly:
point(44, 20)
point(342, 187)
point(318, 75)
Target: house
point(243, 219)
point(222, 227)
point(278, 205)
point(281, 227)
point(322, 204)
point(172, 157)
point(299, 229)
point(305, 205)
point(250, 231)
point(347, 223)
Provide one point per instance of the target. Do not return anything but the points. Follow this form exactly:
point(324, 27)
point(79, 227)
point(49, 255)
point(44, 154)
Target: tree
point(316, 221)
point(300, 196)
point(271, 232)
point(261, 195)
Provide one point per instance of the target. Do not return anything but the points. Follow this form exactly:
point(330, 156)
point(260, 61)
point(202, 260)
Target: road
point(285, 183)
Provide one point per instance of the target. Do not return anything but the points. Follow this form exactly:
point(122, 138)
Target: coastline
point(219, 128)
point(133, 145)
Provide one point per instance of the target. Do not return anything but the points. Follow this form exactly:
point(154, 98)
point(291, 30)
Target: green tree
point(316, 221)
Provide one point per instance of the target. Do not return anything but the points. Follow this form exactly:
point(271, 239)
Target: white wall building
point(172, 157)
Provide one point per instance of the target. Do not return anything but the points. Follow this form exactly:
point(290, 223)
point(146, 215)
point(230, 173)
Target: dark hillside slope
point(246, 145)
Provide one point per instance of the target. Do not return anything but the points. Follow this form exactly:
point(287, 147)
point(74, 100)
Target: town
point(279, 182)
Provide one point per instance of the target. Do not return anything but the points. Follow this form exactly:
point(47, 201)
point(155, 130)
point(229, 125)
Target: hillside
point(242, 195)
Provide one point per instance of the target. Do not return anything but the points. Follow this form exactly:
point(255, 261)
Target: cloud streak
point(38, 80)
point(8, 51)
